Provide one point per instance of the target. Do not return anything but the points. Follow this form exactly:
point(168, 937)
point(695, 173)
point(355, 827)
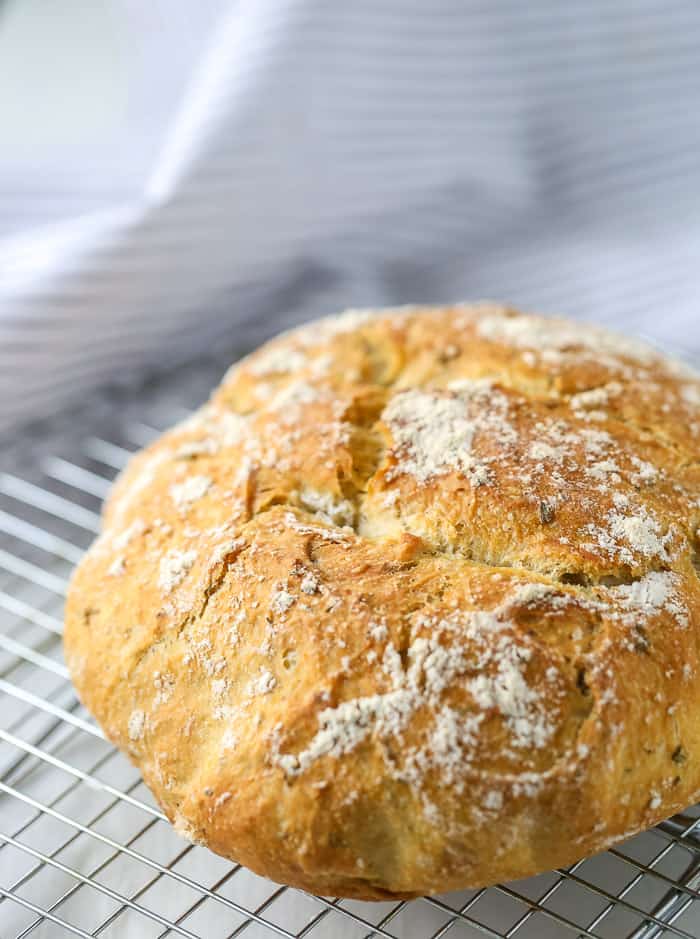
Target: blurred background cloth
point(175, 175)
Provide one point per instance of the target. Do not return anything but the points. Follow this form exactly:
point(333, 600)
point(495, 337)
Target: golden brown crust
point(411, 604)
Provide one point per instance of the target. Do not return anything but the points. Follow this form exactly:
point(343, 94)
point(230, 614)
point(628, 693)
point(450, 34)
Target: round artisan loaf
point(411, 605)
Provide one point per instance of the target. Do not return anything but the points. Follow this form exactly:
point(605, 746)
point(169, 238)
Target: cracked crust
point(411, 604)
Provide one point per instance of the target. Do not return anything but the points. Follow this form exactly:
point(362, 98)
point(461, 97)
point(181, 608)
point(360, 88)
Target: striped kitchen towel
point(174, 175)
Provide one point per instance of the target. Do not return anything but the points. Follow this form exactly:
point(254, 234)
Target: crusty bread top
point(397, 555)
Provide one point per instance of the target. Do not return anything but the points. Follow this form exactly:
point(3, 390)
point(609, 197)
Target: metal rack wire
point(84, 851)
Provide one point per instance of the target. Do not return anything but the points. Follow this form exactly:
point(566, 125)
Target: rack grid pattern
point(84, 850)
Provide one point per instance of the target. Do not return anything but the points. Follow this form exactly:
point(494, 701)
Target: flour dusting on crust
point(434, 433)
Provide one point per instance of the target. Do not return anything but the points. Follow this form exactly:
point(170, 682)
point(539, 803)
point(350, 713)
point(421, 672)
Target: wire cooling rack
point(84, 851)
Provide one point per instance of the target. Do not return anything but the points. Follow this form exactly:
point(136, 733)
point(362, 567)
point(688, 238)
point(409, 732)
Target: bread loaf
point(412, 604)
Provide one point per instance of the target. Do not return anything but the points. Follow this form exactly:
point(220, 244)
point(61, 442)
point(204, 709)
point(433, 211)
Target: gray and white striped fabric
point(175, 174)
